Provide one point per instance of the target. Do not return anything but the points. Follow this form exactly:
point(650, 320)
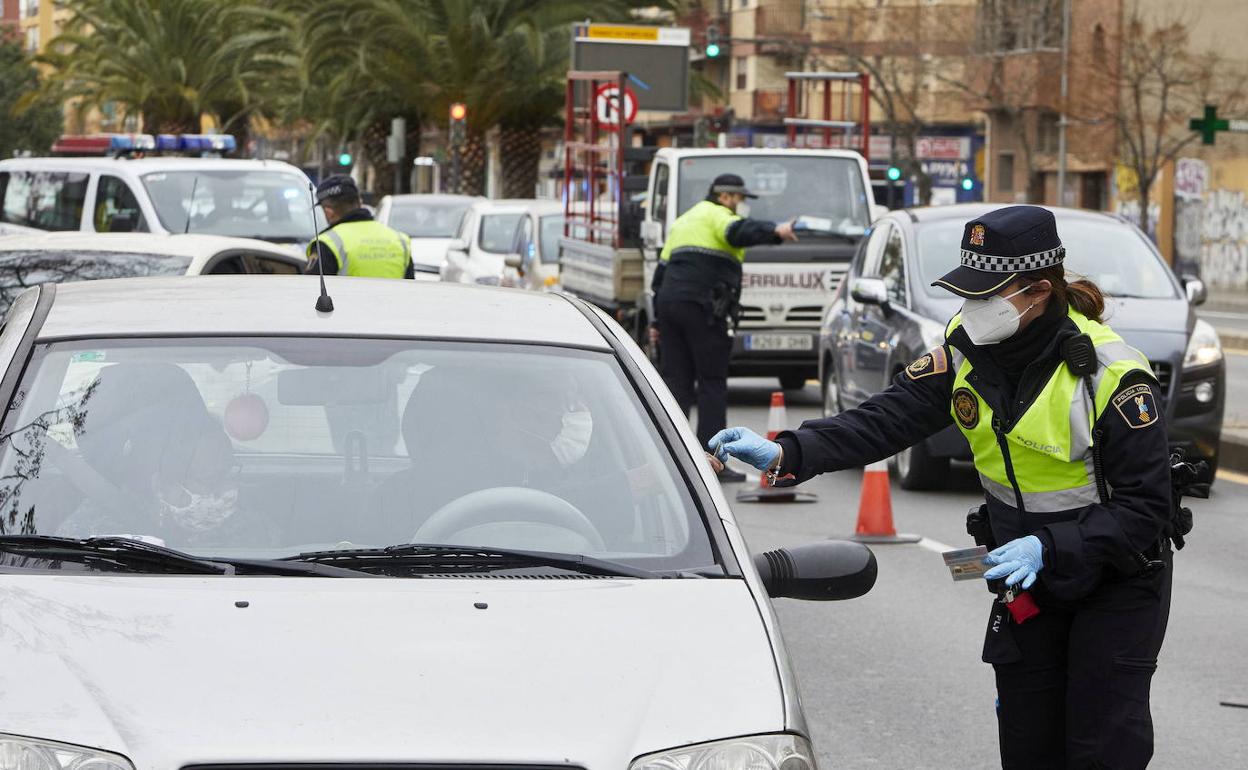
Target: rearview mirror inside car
point(827, 571)
point(1195, 288)
point(869, 291)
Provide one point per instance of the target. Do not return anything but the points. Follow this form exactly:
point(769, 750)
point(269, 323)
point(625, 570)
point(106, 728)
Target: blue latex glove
point(745, 445)
point(1020, 558)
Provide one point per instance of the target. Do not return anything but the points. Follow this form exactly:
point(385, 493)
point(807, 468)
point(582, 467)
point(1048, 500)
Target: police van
point(124, 183)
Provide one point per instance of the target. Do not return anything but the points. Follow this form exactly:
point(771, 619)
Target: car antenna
point(324, 303)
point(191, 204)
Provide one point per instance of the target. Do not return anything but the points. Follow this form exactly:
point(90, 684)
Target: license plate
point(778, 342)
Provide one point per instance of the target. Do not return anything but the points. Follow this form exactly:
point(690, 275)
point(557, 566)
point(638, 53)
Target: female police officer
point(1063, 421)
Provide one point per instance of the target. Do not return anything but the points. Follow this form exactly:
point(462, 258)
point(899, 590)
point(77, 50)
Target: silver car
point(436, 526)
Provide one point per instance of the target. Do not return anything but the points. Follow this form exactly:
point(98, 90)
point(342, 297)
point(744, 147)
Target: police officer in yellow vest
point(355, 243)
point(1064, 423)
point(697, 286)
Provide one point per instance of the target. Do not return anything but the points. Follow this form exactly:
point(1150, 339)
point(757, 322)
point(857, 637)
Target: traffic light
point(968, 183)
point(894, 173)
point(344, 158)
point(712, 42)
point(459, 123)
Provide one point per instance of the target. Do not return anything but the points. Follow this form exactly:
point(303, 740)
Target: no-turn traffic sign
point(607, 106)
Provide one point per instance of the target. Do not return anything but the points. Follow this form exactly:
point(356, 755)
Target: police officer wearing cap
point(697, 287)
point(355, 243)
point(1064, 423)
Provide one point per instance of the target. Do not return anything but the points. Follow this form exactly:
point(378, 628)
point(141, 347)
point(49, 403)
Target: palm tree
point(170, 61)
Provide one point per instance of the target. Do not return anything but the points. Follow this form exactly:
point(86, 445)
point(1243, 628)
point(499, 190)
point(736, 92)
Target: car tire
point(831, 391)
point(792, 382)
point(916, 469)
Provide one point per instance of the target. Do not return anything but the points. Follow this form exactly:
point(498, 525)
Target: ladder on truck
point(829, 110)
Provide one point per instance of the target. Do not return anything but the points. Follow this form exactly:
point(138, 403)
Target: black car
point(885, 314)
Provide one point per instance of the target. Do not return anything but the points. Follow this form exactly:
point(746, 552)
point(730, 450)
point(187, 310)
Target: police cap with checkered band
point(1001, 244)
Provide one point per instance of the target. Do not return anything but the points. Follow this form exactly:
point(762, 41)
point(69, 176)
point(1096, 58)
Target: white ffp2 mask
point(989, 321)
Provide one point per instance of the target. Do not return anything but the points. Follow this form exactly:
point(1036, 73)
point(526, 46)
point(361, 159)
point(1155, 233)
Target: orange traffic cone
point(875, 509)
point(777, 419)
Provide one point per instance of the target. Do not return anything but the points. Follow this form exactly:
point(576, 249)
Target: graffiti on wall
point(1224, 239)
point(1130, 210)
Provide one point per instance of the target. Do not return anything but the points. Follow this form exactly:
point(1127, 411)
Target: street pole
point(1061, 121)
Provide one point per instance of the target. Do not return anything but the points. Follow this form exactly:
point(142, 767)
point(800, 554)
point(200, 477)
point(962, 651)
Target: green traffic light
point(344, 159)
point(712, 50)
point(968, 183)
point(894, 173)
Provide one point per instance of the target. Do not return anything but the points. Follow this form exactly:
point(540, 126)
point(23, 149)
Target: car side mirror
point(457, 245)
point(651, 233)
point(514, 260)
point(870, 291)
point(1195, 288)
point(124, 221)
point(819, 572)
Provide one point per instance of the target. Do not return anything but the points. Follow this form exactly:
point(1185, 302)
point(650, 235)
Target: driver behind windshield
point(155, 463)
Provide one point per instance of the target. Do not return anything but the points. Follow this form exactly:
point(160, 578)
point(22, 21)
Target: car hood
point(1172, 316)
point(430, 251)
point(171, 671)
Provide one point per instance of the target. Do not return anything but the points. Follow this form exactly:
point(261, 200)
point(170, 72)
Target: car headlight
point(1204, 347)
point(18, 753)
point(756, 752)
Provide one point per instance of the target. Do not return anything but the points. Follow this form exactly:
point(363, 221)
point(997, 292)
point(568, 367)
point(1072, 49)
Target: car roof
point(969, 211)
point(511, 205)
point(191, 245)
point(139, 166)
point(432, 198)
point(285, 305)
point(691, 152)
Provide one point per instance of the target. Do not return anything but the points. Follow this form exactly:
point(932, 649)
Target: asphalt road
point(894, 679)
point(1236, 417)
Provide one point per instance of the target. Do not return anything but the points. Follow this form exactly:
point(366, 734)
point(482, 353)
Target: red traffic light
point(459, 111)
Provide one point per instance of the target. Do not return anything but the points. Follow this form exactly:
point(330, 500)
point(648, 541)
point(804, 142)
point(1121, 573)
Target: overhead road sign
point(655, 58)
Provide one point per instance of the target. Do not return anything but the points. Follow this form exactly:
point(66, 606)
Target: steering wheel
point(507, 505)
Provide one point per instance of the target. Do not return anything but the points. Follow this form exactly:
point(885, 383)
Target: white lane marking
point(934, 545)
point(1221, 314)
point(1235, 351)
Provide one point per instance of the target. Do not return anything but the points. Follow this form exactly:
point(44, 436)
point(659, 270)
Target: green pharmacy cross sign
point(1211, 124)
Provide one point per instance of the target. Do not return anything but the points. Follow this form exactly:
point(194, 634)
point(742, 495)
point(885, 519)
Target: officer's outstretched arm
point(914, 407)
point(1135, 454)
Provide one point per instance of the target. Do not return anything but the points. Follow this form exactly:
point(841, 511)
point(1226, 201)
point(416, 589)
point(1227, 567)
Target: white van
point(263, 199)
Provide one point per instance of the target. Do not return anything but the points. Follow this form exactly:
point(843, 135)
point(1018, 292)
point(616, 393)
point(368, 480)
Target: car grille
point(805, 314)
point(750, 313)
point(1164, 372)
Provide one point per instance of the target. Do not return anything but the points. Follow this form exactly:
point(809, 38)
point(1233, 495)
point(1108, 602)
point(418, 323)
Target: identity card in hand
point(966, 563)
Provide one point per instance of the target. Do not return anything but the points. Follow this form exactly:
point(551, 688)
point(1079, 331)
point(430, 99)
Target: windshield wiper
point(136, 555)
point(443, 558)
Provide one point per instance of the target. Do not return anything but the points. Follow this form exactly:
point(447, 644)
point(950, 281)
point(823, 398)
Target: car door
point(862, 342)
point(457, 251)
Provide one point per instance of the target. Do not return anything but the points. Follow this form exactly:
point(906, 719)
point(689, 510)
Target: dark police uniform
point(697, 287)
point(1073, 681)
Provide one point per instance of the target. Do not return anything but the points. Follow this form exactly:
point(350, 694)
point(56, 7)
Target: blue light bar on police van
point(208, 143)
point(126, 144)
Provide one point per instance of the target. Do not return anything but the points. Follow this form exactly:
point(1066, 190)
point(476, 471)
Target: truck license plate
point(778, 342)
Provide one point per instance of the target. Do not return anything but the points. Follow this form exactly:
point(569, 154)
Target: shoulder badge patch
point(966, 408)
point(1137, 406)
point(935, 362)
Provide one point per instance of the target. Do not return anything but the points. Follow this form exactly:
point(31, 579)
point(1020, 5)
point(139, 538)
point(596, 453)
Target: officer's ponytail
point(1083, 295)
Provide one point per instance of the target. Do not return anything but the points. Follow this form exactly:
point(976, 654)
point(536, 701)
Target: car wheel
point(831, 391)
point(792, 382)
point(916, 469)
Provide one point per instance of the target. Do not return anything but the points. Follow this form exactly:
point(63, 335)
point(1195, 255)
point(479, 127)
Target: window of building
point(1047, 132)
point(28, 9)
point(1019, 25)
point(1098, 44)
point(1005, 172)
point(743, 80)
point(32, 39)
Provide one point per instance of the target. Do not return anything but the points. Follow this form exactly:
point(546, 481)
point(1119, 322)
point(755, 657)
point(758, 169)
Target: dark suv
point(886, 314)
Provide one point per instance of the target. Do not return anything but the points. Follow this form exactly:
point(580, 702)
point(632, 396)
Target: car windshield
point(271, 447)
point(253, 203)
point(787, 187)
point(427, 219)
point(1111, 255)
point(22, 268)
point(498, 232)
point(552, 231)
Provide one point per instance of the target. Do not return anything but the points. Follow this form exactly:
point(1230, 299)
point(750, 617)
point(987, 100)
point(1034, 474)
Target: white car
point(432, 222)
point(30, 259)
point(507, 243)
point(264, 199)
point(438, 526)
